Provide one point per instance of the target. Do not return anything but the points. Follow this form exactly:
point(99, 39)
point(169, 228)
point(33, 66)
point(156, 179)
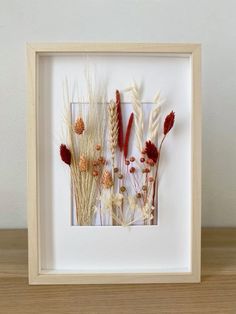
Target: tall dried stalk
point(138, 115)
point(113, 128)
point(113, 138)
point(83, 182)
point(154, 118)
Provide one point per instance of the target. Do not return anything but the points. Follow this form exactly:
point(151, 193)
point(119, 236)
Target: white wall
point(210, 22)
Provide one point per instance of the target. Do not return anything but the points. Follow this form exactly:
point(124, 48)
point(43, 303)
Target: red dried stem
point(168, 125)
point(127, 135)
point(120, 126)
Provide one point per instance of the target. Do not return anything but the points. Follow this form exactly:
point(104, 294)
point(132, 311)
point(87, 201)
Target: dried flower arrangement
point(111, 186)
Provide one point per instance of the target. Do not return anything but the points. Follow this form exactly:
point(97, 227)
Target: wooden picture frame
point(37, 275)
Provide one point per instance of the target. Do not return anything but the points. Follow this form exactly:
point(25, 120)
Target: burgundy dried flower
point(169, 122)
point(120, 126)
point(150, 162)
point(127, 135)
point(65, 154)
point(152, 151)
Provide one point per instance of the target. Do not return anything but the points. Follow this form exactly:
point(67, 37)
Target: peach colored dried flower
point(107, 179)
point(83, 164)
point(79, 126)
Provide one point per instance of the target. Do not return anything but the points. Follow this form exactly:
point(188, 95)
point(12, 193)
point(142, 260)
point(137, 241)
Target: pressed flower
point(152, 151)
point(107, 179)
point(169, 122)
point(65, 154)
point(79, 126)
point(83, 164)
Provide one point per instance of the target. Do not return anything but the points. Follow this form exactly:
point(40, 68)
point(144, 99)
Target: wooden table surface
point(215, 294)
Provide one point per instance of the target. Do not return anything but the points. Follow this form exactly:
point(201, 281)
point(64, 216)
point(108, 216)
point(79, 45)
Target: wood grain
point(215, 294)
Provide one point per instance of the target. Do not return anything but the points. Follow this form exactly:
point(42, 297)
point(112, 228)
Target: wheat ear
point(138, 115)
point(154, 118)
point(113, 127)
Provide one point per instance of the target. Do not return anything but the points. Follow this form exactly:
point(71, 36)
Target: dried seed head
point(169, 122)
point(79, 126)
point(83, 163)
point(120, 176)
point(116, 170)
point(138, 195)
point(132, 170)
point(122, 189)
point(142, 159)
point(65, 154)
point(152, 151)
point(127, 162)
point(151, 179)
point(107, 179)
point(132, 159)
point(95, 163)
point(98, 147)
point(144, 188)
point(102, 160)
point(95, 173)
point(150, 162)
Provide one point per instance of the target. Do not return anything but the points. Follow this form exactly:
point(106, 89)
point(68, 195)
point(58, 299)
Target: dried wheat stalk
point(138, 115)
point(113, 127)
point(154, 118)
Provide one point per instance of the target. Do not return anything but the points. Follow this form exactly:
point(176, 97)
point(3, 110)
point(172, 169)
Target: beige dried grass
point(83, 146)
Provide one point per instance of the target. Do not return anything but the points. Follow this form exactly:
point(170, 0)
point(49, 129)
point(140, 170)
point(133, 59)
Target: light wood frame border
point(36, 275)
